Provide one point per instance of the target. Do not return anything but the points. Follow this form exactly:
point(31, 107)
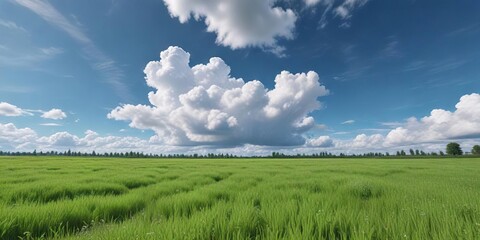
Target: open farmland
point(111, 198)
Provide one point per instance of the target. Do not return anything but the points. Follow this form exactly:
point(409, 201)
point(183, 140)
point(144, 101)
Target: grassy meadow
point(112, 198)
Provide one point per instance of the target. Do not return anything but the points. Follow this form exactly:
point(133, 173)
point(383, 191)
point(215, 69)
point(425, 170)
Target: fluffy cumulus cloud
point(239, 24)
point(93, 141)
point(12, 137)
point(193, 119)
point(54, 114)
point(204, 105)
point(9, 110)
point(15, 139)
point(367, 142)
point(441, 124)
point(436, 129)
point(320, 142)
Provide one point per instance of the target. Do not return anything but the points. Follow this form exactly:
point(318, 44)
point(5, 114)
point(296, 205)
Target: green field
point(108, 198)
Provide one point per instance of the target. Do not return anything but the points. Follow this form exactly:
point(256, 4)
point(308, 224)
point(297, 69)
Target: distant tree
point(454, 148)
point(476, 150)
point(412, 152)
point(441, 153)
point(403, 153)
point(417, 152)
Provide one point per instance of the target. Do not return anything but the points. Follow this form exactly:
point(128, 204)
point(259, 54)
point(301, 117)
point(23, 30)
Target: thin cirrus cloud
point(27, 56)
point(99, 60)
point(11, 25)
point(239, 24)
point(204, 105)
point(342, 9)
point(348, 122)
point(50, 124)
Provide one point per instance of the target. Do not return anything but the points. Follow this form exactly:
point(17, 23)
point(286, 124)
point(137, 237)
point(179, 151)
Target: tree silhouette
point(476, 150)
point(454, 149)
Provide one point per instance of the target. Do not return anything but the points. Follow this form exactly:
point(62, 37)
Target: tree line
point(452, 149)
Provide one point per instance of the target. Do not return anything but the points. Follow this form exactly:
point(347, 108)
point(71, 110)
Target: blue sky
point(381, 62)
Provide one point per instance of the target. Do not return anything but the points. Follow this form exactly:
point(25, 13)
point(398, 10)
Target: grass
point(108, 198)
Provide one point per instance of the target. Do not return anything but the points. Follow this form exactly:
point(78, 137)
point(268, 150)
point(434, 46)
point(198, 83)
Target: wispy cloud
point(51, 51)
point(447, 65)
point(344, 11)
point(27, 56)
point(392, 48)
point(19, 89)
point(349, 122)
point(391, 124)
point(415, 65)
point(373, 130)
point(435, 67)
point(470, 29)
point(100, 61)
point(11, 25)
point(50, 124)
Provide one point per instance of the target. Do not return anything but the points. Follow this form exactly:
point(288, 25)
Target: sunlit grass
point(96, 198)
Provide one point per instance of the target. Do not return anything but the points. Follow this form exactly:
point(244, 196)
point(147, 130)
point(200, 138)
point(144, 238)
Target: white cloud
point(9, 110)
point(91, 141)
point(320, 142)
point(344, 11)
point(50, 124)
point(54, 114)
point(60, 139)
point(341, 9)
point(441, 124)
point(310, 3)
point(364, 141)
point(11, 137)
point(238, 24)
point(430, 132)
point(391, 124)
point(204, 105)
point(349, 122)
